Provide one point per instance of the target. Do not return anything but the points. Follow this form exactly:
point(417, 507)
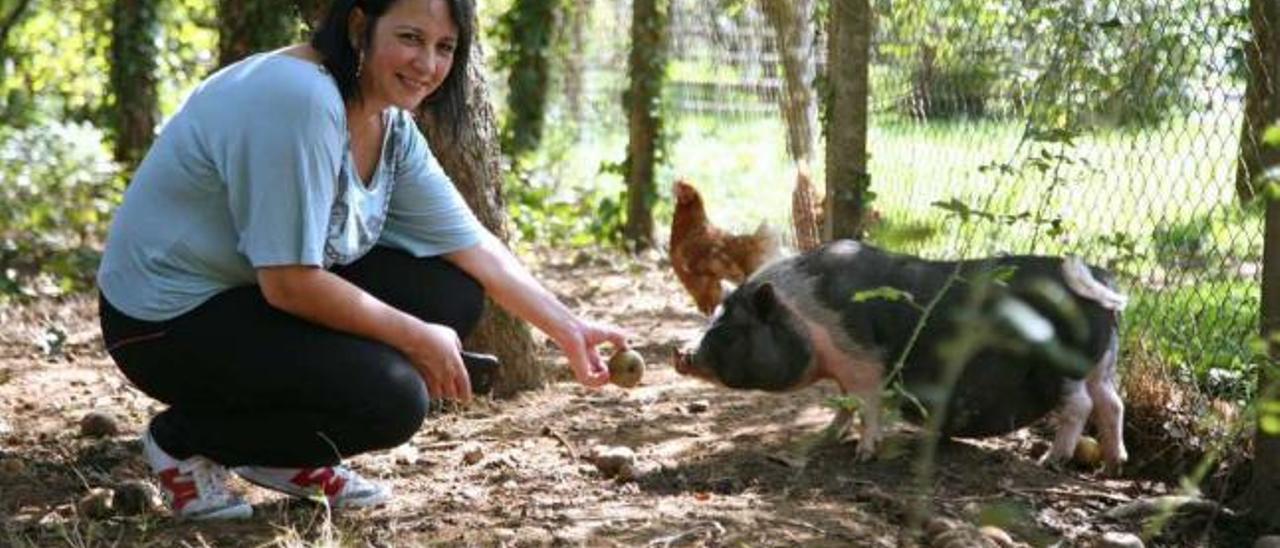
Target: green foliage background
point(56, 66)
point(59, 188)
point(58, 183)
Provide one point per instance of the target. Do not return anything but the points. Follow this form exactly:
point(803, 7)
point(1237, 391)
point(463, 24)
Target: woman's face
point(410, 55)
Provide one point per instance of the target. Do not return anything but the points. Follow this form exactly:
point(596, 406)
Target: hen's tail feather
point(770, 239)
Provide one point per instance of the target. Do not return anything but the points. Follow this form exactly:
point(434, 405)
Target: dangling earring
point(360, 64)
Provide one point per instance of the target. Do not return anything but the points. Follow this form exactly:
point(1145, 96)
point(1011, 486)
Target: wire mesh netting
point(1105, 128)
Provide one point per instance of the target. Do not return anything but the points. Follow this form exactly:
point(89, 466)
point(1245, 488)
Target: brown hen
point(703, 255)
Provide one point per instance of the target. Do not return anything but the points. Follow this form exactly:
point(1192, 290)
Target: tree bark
point(792, 22)
point(134, 31)
point(472, 161)
point(805, 218)
point(1265, 485)
point(249, 26)
point(848, 53)
point(1260, 93)
point(646, 65)
point(1264, 488)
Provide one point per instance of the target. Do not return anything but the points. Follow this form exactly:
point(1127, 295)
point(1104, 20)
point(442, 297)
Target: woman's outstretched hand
point(580, 346)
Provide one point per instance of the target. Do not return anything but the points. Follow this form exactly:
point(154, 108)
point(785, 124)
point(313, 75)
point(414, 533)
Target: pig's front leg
point(859, 373)
point(871, 433)
point(861, 378)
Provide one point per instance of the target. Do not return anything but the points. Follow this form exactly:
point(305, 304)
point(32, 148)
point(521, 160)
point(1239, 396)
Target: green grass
point(1205, 332)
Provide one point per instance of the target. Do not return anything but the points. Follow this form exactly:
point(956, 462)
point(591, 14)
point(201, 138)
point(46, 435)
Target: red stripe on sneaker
point(324, 478)
point(334, 486)
point(181, 490)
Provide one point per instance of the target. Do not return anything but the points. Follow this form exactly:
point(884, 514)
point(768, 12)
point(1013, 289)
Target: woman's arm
point(325, 298)
point(509, 284)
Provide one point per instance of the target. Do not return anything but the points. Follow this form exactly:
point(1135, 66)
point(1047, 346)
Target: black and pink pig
point(807, 318)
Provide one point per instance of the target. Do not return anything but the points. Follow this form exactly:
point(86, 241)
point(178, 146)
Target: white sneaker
point(194, 488)
point(343, 487)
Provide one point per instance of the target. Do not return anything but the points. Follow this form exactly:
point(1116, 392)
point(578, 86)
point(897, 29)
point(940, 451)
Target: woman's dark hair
point(448, 103)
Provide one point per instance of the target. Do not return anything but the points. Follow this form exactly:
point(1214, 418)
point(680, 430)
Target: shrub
point(1182, 243)
point(1203, 332)
point(57, 188)
point(546, 214)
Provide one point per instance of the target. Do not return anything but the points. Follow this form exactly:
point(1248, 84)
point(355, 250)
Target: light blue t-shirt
point(256, 170)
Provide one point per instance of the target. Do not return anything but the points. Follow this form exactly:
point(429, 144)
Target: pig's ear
point(765, 300)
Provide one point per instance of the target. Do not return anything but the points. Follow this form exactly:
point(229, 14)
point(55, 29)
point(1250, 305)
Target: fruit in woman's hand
point(1088, 452)
point(626, 368)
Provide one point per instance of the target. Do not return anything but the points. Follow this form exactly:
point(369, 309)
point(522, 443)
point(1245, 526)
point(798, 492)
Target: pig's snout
point(688, 361)
point(682, 359)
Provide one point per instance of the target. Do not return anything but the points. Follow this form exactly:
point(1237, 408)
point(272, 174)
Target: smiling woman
point(292, 271)
point(420, 42)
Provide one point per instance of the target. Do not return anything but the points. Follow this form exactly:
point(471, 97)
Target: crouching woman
point(291, 271)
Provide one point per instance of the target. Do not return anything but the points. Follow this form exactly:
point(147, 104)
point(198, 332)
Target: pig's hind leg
point(1108, 408)
point(1073, 412)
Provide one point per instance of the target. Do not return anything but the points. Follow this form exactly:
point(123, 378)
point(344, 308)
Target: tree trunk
point(529, 26)
point(1264, 488)
point(848, 183)
point(1265, 485)
point(250, 26)
point(646, 67)
point(134, 32)
point(805, 217)
point(792, 22)
point(1260, 93)
point(471, 160)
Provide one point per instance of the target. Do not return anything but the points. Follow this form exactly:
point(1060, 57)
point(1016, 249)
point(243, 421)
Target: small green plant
point(1182, 243)
point(57, 188)
point(546, 214)
point(903, 233)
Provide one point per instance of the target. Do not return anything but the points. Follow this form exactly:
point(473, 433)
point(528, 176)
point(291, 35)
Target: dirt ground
point(712, 467)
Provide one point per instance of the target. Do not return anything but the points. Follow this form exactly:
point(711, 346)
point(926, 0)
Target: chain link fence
point(1105, 128)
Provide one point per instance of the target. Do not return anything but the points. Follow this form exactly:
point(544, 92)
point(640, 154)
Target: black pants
point(249, 384)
